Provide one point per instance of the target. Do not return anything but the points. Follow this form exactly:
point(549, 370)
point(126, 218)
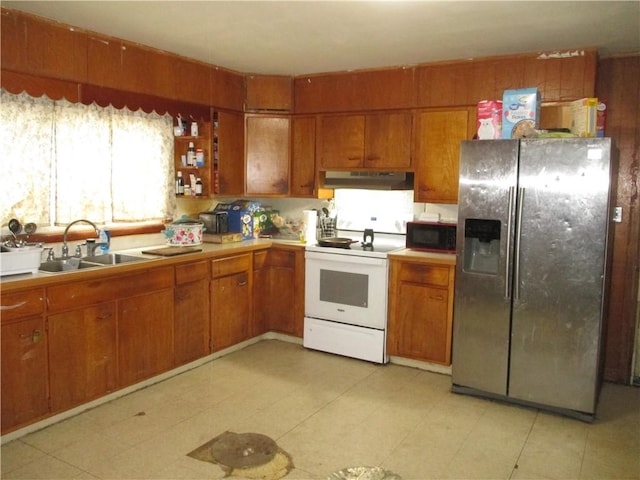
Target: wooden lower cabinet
point(191, 312)
point(145, 336)
point(231, 292)
point(82, 348)
point(23, 358)
point(279, 290)
point(24, 372)
point(420, 310)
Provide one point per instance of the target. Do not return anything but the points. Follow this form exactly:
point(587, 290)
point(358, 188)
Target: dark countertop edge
point(11, 283)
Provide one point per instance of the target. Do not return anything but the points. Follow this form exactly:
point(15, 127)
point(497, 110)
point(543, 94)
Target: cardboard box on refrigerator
point(584, 115)
point(521, 112)
point(489, 124)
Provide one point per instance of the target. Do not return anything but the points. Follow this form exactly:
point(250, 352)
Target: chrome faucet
point(65, 247)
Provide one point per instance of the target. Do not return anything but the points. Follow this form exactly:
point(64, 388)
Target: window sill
point(82, 231)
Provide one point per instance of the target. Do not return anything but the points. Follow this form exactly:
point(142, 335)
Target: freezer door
point(486, 206)
point(558, 291)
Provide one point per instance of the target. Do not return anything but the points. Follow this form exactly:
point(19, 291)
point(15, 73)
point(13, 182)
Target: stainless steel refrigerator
point(531, 275)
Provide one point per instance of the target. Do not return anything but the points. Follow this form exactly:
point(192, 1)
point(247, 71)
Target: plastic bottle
point(191, 155)
point(194, 129)
point(179, 184)
point(198, 186)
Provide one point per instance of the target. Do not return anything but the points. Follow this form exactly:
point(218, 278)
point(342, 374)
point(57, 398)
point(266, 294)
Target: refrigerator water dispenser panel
point(482, 245)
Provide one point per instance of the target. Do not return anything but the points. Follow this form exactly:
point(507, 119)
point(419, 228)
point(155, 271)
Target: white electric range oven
point(346, 291)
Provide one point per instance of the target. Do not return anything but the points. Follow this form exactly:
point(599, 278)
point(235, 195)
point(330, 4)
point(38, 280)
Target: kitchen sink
point(111, 258)
point(66, 265)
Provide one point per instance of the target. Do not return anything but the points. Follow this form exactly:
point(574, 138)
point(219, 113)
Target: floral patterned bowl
point(184, 232)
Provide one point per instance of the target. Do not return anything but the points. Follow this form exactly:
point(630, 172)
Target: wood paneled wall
point(618, 84)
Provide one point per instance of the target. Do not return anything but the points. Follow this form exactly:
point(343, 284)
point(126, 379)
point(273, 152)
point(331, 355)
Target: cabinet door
point(261, 294)
point(82, 355)
point(388, 141)
point(303, 157)
point(422, 321)
point(145, 336)
point(267, 155)
point(24, 372)
point(341, 142)
point(191, 321)
point(228, 150)
point(230, 310)
point(437, 151)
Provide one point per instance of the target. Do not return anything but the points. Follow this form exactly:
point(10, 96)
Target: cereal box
point(584, 117)
point(240, 216)
point(489, 123)
point(520, 112)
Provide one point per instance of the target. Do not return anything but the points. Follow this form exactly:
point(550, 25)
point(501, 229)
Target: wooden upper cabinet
point(562, 79)
point(54, 50)
point(303, 157)
point(267, 155)
point(104, 62)
point(437, 151)
point(228, 151)
point(352, 91)
point(13, 33)
point(376, 141)
point(559, 77)
point(341, 142)
point(269, 92)
point(190, 80)
point(445, 84)
point(388, 141)
point(227, 89)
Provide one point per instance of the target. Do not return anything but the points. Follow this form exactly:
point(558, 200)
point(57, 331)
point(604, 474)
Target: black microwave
point(431, 236)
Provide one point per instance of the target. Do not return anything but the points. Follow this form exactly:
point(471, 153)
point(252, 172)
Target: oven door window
point(344, 288)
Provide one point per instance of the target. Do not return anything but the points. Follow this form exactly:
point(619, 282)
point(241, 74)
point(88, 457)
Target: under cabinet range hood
point(367, 180)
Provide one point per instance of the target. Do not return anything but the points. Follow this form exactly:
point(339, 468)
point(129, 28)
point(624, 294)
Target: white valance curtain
point(62, 161)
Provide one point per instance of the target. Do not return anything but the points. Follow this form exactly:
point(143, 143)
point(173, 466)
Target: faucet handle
point(79, 250)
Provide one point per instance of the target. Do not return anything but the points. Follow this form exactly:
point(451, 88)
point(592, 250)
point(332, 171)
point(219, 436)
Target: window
point(62, 161)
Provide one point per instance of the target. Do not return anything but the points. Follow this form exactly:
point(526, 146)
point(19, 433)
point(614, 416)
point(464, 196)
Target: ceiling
point(305, 37)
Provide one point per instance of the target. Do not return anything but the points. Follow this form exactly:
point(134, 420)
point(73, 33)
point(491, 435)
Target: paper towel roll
point(310, 225)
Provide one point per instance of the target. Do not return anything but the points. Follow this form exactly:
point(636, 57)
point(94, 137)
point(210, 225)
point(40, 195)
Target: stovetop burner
point(380, 247)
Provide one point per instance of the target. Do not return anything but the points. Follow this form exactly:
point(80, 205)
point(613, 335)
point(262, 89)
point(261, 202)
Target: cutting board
point(171, 251)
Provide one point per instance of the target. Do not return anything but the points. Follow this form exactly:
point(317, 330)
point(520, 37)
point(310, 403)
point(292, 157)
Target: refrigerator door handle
point(507, 268)
point(516, 266)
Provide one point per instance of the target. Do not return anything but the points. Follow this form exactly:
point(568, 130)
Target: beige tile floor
point(328, 413)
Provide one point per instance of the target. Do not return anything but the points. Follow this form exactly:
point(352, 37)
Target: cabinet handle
point(436, 297)
point(242, 283)
point(35, 336)
point(12, 307)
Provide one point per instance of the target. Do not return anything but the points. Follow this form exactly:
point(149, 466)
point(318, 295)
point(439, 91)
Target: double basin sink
point(92, 261)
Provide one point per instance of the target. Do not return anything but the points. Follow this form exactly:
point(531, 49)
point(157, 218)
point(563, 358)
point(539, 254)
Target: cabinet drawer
point(21, 304)
point(230, 265)
point(259, 260)
point(425, 274)
point(77, 294)
point(191, 272)
point(281, 258)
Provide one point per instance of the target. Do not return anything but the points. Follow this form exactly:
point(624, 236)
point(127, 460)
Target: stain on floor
point(248, 455)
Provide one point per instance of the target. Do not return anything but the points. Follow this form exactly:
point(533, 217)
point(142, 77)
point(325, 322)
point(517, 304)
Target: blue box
point(240, 216)
point(520, 112)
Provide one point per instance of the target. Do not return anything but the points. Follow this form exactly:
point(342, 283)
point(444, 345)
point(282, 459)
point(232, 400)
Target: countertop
point(209, 251)
point(426, 257)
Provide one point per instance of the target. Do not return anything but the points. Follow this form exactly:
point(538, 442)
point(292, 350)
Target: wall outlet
point(617, 214)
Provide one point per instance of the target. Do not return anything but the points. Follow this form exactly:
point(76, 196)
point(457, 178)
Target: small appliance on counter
point(215, 222)
point(436, 237)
